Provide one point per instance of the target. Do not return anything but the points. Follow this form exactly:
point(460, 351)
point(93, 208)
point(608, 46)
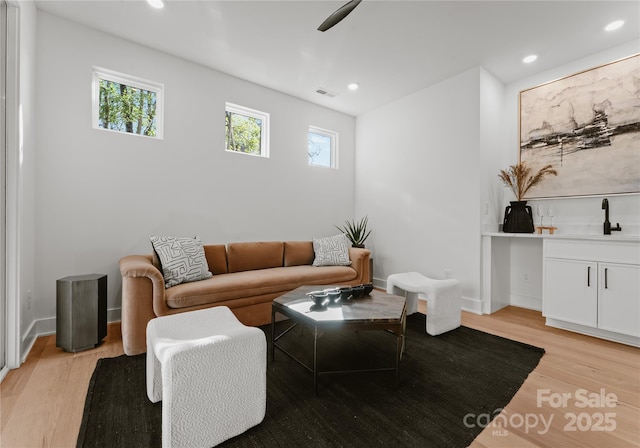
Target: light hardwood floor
point(41, 403)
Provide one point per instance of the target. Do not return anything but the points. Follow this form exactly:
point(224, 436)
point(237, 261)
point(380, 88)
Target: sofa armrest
point(141, 267)
point(143, 298)
point(360, 262)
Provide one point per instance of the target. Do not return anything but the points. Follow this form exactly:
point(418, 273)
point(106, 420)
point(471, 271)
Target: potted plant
point(518, 217)
point(356, 231)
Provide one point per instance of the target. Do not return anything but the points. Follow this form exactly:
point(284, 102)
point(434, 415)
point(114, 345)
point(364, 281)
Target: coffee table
point(378, 311)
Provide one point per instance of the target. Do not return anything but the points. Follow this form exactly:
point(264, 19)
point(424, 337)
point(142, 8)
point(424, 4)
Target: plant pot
point(359, 246)
point(518, 218)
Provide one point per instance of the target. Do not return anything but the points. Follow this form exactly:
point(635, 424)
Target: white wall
point(418, 178)
point(575, 214)
point(571, 215)
point(427, 176)
point(99, 194)
point(493, 146)
point(428, 194)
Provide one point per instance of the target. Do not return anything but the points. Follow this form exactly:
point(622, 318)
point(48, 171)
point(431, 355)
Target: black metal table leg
point(315, 361)
point(273, 334)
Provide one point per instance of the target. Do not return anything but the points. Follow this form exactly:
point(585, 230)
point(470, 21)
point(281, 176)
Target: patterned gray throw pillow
point(182, 259)
point(331, 251)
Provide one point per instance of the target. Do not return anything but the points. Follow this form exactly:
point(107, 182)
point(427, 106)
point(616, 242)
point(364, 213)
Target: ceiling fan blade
point(338, 15)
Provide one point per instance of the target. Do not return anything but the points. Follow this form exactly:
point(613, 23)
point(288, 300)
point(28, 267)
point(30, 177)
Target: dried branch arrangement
point(520, 179)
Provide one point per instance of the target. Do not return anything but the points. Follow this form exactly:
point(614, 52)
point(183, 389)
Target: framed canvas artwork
point(587, 126)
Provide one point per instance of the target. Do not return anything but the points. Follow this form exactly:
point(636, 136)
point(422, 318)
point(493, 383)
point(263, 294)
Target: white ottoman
point(209, 370)
point(444, 300)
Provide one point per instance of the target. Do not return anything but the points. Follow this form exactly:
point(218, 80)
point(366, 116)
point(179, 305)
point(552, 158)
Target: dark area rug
point(442, 379)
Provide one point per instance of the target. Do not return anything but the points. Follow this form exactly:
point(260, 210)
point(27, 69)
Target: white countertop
point(615, 236)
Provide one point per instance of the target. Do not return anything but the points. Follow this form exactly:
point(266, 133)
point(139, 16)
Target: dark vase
point(518, 218)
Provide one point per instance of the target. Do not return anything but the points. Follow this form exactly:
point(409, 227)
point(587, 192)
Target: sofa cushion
point(216, 258)
point(331, 251)
point(240, 285)
point(252, 256)
point(182, 259)
point(297, 253)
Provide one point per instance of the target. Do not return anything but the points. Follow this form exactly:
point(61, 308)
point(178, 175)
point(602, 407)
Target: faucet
point(607, 224)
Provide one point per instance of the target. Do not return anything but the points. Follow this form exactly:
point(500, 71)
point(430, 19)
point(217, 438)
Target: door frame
point(13, 159)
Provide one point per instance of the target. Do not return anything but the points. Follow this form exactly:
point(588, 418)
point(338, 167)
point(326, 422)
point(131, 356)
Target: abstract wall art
point(587, 126)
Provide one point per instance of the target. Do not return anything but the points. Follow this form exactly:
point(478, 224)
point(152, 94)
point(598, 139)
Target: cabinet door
point(619, 298)
point(571, 291)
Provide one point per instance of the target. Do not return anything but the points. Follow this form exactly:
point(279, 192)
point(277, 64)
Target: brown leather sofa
point(246, 278)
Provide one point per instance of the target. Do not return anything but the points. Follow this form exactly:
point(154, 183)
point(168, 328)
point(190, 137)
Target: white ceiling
point(391, 48)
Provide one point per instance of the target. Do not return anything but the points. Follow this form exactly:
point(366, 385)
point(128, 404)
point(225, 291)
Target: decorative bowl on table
point(345, 293)
point(357, 291)
point(318, 297)
point(333, 294)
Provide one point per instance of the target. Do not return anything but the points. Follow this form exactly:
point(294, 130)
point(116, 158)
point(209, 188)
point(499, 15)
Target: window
point(323, 146)
point(246, 130)
point(127, 104)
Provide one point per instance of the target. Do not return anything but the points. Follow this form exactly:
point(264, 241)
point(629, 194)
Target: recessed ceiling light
point(529, 59)
point(614, 25)
point(158, 4)
point(353, 86)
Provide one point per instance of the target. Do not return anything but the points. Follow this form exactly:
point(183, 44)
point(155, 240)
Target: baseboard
point(114, 315)
point(472, 305)
point(28, 339)
point(524, 301)
point(47, 327)
point(380, 283)
point(595, 332)
point(3, 373)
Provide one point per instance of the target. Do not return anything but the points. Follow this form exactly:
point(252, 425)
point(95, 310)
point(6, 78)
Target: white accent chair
point(209, 370)
point(444, 299)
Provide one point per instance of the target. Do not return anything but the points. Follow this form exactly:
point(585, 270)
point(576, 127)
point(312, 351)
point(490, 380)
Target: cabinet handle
point(588, 276)
point(606, 285)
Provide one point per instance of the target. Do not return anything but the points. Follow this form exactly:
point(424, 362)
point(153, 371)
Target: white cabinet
point(571, 291)
point(593, 287)
point(619, 298)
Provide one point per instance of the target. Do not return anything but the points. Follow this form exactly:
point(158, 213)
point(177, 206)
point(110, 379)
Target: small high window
point(323, 146)
point(246, 130)
point(127, 104)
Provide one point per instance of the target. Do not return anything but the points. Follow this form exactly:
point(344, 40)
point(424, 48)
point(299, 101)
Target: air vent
point(325, 92)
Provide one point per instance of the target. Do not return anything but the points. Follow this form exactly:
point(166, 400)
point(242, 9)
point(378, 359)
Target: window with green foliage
point(246, 130)
point(127, 104)
point(322, 147)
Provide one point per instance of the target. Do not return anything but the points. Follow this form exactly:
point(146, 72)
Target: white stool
point(209, 370)
point(444, 300)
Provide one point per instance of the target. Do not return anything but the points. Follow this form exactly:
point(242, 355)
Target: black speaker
point(81, 311)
